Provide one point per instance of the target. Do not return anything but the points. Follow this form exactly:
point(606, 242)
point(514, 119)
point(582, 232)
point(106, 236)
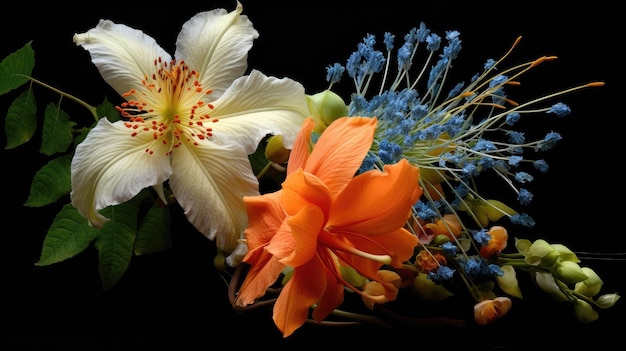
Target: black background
point(177, 300)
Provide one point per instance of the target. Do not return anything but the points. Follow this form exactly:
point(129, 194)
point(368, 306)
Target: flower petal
point(216, 44)
point(257, 105)
point(299, 294)
point(265, 216)
point(305, 228)
point(377, 202)
point(302, 147)
point(340, 150)
point(123, 55)
point(210, 181)
point(110, 167)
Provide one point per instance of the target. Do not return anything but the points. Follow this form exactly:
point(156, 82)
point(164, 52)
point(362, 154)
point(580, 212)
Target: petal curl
point(257, 105)
point(216, 43)
point(210, 181)
point(110, 167)
point(123, 55)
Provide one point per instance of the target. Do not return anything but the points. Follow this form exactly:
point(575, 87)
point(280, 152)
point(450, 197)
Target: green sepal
point(51, 182)
point(68, 235)
point(21, 121)
point(16, 69)
point(57, 131)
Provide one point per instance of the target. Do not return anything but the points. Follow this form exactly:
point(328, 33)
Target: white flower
point(192, 121)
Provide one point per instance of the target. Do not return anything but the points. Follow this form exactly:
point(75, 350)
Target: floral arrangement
point(312, 200)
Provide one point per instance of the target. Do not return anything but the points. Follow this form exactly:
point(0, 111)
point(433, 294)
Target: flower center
point(170, 105)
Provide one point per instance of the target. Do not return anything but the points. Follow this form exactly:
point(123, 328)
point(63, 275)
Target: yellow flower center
point(169, 105)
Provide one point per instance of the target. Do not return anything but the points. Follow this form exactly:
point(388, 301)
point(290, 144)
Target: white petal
point(216, 44)
point(257, 105)
point(123, 55)
point(110, 167)
point(209, 182)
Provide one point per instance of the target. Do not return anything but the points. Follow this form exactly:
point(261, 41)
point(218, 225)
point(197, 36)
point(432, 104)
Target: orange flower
point(487, 311)
point(426, 261)
point(324, 215)
point(496, 244)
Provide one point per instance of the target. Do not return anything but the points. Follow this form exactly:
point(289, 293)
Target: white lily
point(192, 121)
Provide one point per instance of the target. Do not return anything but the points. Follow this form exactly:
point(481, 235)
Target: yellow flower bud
point(565, 254)
point(508, 282)
point(546, 282)
point(570, 272)
point(275, 151)
point(607, 300)
point(590, 286)
point(326, 107)
point(584, 312)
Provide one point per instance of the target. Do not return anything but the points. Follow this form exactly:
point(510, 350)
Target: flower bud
point(275, 151)
point(570, 272)
point(565, 254)
point(584, 312)
point(590, 286)
point(508, 281)
point(546, 282)
point(326, 107)
point(428, 290)
point(351, 276)
point(607, 300)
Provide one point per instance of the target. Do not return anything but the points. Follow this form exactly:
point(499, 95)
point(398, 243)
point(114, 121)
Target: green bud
point(440, 240)
point(570, 272)
point(565, 253)
point(326, 107)
point(508, 281)
point(590, 286)
point(546, 282)
point(584, 312)
point(351, 276)
point(428, 289)
point(219, 261)
point(607, 300)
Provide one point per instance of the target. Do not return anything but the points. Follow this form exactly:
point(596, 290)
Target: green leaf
point(108, 110)
point(154, 231)
point(57, 131)
point(115, 242)
point(16, 68)
point(69, 235)
point(51, 182)
point(21, 122)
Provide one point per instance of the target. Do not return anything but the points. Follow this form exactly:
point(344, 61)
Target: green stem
point(91, 109)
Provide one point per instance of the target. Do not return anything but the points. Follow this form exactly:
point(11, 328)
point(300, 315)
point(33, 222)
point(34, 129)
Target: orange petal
point(302, 189)
point(302, 146)
point(340, 150)
point(265, 215)
point(303, 290)
point(305, 228)
point(377, 202)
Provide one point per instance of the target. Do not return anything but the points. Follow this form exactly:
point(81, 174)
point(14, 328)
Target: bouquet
point(328, 208)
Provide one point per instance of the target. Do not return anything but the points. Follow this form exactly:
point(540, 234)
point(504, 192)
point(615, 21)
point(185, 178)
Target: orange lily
point(324, 215)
